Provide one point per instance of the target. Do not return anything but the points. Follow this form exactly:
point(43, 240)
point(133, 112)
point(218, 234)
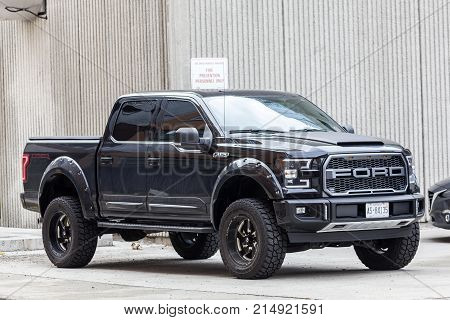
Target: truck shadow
point(440, 239)
point(307, 272)
point(216, 269)
point(166, 266)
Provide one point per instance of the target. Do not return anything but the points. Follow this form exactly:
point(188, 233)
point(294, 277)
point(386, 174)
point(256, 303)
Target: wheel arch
point(243, 178)
point(64, 177)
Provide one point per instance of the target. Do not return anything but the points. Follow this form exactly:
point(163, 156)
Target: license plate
point(377, 210)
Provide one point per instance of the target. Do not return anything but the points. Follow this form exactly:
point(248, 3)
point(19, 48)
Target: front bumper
point(440, 209)
point(343, 219)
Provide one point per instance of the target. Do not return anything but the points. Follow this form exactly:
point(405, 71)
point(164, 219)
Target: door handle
point(153, 162)
point(106, 160)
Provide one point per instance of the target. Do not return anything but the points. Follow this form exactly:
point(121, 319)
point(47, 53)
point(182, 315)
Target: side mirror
point(349, 128)
point(189, 138)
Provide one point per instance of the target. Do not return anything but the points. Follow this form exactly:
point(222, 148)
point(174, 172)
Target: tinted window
point(179, 114)
point(134, 120)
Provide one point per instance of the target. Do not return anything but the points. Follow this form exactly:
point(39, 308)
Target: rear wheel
point(69, 240)
point(252, 245)
point(132, 235)
point(390, 254)
point(194, 246)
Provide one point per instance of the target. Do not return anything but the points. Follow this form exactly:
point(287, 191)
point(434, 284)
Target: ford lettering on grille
point(365, 174)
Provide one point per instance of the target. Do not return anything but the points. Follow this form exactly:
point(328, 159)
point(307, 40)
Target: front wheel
point(252, 245)
point(390, 254)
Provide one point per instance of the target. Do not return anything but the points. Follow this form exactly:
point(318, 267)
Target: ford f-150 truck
point(255, 174)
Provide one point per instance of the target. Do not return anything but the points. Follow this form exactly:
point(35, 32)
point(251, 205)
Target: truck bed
point(66, 138)
point(43, 150)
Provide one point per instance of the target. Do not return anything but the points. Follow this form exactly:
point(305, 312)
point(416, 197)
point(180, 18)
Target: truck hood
point(336, 138)
point(312, 144)
point(444, 184)
point(294, 140)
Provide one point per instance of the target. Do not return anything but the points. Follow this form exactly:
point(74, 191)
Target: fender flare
point(69, 168)
point(252, 168)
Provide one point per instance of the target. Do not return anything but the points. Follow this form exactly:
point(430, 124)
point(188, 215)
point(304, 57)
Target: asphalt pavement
point(156, 272)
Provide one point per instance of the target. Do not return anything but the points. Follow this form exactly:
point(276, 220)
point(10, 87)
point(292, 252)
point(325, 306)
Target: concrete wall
point(435, 88)
point(26, 109)
point(61, 77)
point(380, 65)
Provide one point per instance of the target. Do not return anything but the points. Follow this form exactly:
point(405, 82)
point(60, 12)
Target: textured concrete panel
point(435, 51)
point(61, 76)
point(26, 107)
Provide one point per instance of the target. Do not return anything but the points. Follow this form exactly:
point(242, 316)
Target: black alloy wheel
point(245, 239)
point(60, 232)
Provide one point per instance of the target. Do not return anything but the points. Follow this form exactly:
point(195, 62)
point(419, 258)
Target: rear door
point(122, 161)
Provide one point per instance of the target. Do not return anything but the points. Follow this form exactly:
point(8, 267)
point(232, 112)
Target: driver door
point(181, 188)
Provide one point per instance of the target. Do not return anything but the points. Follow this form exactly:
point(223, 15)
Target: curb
point(12, 239)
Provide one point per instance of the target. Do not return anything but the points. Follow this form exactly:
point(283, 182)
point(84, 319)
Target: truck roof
point(213, 93)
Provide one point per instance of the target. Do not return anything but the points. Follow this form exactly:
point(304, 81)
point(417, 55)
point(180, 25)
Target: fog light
point(447, 218)
point(310, 211)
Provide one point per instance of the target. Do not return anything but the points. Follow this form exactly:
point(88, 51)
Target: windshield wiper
point(307, 130)
point(255, 131)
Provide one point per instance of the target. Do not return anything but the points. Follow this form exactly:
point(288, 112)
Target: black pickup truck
point(255, 174)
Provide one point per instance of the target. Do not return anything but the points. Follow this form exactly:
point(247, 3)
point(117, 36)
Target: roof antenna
point(225, 86)
point(224, 115)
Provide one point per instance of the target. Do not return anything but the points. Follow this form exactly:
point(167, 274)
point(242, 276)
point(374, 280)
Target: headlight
point(290, 174)
point(410, 160)
point(297, 173)
point(413, 179)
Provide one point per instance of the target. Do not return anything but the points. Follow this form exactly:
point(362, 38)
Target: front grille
point(349, 185)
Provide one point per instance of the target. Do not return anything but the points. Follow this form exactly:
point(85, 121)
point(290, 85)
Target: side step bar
point(153, 227)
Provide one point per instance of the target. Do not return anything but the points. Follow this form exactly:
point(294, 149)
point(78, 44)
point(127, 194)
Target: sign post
point(209, 73)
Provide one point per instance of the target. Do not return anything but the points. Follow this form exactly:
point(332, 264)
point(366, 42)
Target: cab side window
point(178, 114)
point(134, 120)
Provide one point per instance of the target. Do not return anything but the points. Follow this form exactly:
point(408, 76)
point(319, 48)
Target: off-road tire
point(204, 246)
point(84, 234)
point(398, 253)
point(271, 239)
point(132, 235)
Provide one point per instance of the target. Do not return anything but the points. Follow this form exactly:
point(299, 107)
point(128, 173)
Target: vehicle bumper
point(22, 200)
point(439, 220)
point(30, 201)
point(440, 209)
point(343, 219)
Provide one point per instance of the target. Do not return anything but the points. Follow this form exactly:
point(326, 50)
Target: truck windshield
point(269, 114)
